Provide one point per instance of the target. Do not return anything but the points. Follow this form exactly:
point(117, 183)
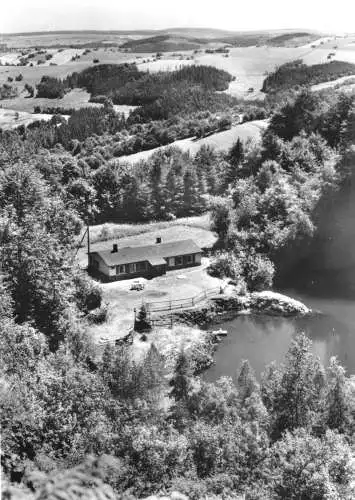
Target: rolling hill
point(163, 43)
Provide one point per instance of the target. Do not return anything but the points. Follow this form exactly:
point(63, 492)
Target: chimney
point(158, 240)
point(114, 248)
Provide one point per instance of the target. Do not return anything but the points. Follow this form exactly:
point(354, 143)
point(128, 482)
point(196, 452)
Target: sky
point(235, 15)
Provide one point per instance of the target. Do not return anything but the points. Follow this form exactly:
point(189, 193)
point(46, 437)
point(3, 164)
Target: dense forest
point(100, 424)
point(296, 73)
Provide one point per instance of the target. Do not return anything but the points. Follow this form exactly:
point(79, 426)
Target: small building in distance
point(145, 261)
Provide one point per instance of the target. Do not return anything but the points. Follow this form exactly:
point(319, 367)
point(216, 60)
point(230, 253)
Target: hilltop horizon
point(20, 16)
point(168, 29)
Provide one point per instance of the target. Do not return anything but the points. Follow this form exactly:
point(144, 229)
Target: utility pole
point(88, 240)
point(88, 234)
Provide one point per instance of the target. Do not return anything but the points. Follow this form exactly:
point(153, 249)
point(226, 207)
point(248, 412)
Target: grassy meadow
point(221, 141)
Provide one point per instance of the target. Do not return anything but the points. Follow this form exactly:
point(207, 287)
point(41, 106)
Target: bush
point(98, 315)
point(141, 323)
point(8, 91)
point(51, 88)
point(19, 78)
point(258, 272)
point(30, 90)
point(255, 271)
point(226, 265)
point(88, 293)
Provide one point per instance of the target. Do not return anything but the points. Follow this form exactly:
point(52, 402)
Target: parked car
point(137, 285)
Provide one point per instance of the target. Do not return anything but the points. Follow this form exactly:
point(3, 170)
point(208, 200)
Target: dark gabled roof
point(152, 253)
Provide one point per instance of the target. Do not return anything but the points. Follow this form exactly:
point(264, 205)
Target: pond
point(262, 339)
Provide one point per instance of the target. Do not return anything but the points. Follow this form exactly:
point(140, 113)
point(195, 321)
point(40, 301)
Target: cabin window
point(133, 268)
point(141, 266)
point(120, 269)
point(178, 261)
point(189, 259)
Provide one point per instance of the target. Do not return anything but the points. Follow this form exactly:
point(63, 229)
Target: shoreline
point(224, 308)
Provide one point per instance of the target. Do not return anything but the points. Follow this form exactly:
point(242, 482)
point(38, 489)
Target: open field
point(109, 231)
point(221, 141)
point(11, 119)
point(67, 38)
point(77, 98)
point(249, 65)
point(342, 82)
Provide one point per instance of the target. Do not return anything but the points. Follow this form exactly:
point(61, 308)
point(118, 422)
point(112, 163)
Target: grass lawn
point(108, 231)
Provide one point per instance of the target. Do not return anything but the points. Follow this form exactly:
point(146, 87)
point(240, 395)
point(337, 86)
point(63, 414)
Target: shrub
point(258, 272)
point(51, 88)
point(226, 265)
point(88, 293)
point(141, 322)
point(8, 91)
point(30, 90)
point(98, 315)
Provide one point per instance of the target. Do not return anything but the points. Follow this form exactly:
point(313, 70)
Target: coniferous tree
point(297, 396)
point(246, 381)
point(181, 381)
point(154, 372)
point(174, 189)
point(193, 201)
point(337, 399)
point(157, 200)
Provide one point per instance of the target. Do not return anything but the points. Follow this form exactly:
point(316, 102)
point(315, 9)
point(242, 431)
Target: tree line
point(297, 74)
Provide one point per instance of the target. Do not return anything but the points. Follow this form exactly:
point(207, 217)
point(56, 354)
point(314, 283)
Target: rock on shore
point(268, 302)
point(226, 307)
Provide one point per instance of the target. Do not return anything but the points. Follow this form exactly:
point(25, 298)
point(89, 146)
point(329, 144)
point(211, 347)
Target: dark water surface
point(262, 339)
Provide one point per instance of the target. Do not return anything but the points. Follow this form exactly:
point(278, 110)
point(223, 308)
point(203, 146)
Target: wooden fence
point(174, 305)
